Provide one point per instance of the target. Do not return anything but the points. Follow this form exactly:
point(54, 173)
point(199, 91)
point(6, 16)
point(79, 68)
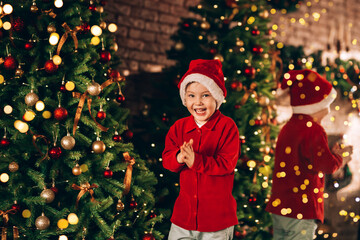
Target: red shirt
point(302, 158)
point(205, 202)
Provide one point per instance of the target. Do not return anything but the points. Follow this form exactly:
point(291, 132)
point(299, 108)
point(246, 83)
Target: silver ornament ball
point(94, 89)
point(31, 98)
point(68, 142)
point(48, 195)
point(42, 222)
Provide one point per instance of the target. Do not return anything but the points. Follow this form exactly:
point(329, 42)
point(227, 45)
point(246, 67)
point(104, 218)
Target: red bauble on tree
point(16, 207)
point(85, 27)
point(133, 204)
point(255, 31)
point(101, 115)
point(92, 7)
point(54, 189)
point(120, 98)
point(10, 63)
point(236, 85)
point(4, 142)
point(127, 135)
point(116, 137)
point(60, 113)
point(114, 74)
point(18, 24)
point(105, 56)
point(28, 45)
point(55, 152)
point(257, 49)
point(62, 88)
point(148, 236)
point(50, 67)
point(249, 71)
point(108, 173)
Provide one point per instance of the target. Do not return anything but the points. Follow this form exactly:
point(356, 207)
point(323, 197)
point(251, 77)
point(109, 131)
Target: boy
point(204, 149)
point(302, 158)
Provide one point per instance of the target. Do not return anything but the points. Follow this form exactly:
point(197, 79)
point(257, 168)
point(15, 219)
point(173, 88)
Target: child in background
point(204, 149)
point(302, 158)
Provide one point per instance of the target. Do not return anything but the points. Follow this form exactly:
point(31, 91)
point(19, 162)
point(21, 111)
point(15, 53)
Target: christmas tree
point(237, 33)
point(68, 168)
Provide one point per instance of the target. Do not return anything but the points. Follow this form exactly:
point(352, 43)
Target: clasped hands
point(186, 154)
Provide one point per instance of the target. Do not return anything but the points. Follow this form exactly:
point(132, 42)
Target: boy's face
point(199, 101)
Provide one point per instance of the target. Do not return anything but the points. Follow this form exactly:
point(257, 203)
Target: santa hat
point(209, 74)
point(309, 92)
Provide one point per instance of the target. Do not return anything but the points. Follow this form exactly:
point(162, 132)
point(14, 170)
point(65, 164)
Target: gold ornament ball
point(51, 28)
point(46, 114)
point(98, 147)
point(76, 170)
point(31, 98)
point(264, 101)
point(120, 206)
point(179, 46)
point(34, 8)
point(102, 25)
point(264, 14)
point(62, 223)
point(100, 9)
point(48, 195)
point(115, 47)
point(84, 167)
point(70, 85)
point(13, 166)
point(205, 25)
point(42, 222)
point(94, 89)
point(19, 72)
point(68, 142)
point(26, 213)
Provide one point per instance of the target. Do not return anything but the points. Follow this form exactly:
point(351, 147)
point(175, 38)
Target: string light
point(54, 38)
point(8, 9)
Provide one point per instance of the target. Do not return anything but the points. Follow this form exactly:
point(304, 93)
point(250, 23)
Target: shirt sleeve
point(171, 150)
point(317, 151)
point(227, 154)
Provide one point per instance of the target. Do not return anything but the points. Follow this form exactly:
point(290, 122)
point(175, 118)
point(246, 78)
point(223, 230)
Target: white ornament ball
point(94, 89)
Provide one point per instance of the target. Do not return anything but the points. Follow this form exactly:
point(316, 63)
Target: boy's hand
point(187, 153)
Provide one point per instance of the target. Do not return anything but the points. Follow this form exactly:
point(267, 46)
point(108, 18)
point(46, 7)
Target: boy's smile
point(199, 102)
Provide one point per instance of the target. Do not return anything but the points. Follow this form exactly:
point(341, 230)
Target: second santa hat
point(208, 73)
point(309, 92)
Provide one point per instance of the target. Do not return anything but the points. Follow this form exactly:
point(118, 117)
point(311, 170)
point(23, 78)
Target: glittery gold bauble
point(48, 195)
point(42, 222)
point(98, 147)
point(264, 101)
point(19, 72)
point(51, 28)
point(13, 167)
point(68, 142)
point(94, 89)
point(120, 206)
point(239, 43)
point(205, 25)
point(115, 47)
point(31, 98)
point(76, 170)
point(100, 9)
point(34, 8)
point(102, 25)
point(264, 14)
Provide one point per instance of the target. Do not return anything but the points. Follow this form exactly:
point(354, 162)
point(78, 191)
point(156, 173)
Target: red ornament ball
point(85, 27)
point(213, 51)
point(92, 8)
point(258, 122)
point(105, 56)
point(120, 98)
point(4, 142)
point(62, 88)
point(28, 45)
point(249, 71)
point(148, 236)
point(255, 32)
point(257, 49)
point(10, 63)
point(60, 113)
point(165, 118)
point(116, 138)
point(101, 115)
point(133, 204)
point(128, 135)
point(252, 199)
point(111, 238)
point(237, 106)
point(108, 173)
point(54, 189)
point(18, 24)
point(55, 152)
point(115, 74)
point(15, 207)
point(152, 215)
point(50, 67)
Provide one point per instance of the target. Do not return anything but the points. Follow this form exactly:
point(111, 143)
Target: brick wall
point(144, 30)
point(145, 27)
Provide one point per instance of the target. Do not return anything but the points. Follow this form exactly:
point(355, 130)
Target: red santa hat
point(309, 92)
point(208, 73)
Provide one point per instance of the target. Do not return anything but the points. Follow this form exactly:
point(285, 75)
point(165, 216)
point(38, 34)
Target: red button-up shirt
point(205, 202)
point(302, 157)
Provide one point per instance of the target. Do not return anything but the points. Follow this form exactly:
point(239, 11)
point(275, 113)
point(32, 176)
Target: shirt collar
point(209, 125)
